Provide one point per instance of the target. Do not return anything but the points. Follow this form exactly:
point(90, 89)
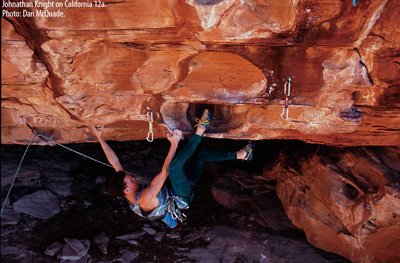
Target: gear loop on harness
point(286, 91)
point(150, 134)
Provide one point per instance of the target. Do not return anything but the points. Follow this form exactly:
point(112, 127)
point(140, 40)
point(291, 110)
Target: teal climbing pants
point(181, 182)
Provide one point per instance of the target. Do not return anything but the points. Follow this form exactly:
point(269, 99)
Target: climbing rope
point(286, 91)
point(84, 155)
point(16, 173)
point(72, 150)
point(23, 120)
point(150, 134)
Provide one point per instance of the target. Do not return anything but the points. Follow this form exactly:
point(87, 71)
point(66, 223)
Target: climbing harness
point(150, 134)
point(16, 173)
point(286, 91)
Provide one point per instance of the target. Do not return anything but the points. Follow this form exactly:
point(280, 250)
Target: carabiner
point(183, 217)
point(286, 91)
point(174, 215)
point(150, 134)
point(286, 86)
point(150, 137)
point(285, 110)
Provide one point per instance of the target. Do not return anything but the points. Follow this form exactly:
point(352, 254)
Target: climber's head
point(124, 184)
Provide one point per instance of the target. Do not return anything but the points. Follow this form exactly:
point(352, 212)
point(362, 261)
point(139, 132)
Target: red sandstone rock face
point(106, 66)
point(347, 202)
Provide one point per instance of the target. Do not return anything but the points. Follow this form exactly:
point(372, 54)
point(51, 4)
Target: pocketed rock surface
point(107, 65)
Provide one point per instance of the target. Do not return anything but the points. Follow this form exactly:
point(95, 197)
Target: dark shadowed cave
point(87, 210)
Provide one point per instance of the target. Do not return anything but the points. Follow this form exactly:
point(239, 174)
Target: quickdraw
point(286, 91)
point(175, 211)
point(150, 134)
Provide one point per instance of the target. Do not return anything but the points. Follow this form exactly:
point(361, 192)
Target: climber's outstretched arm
point(110, 154)
point(149, 194)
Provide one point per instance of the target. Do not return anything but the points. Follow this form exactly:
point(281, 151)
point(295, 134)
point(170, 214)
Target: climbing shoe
point(204, 122)
point(249, 151)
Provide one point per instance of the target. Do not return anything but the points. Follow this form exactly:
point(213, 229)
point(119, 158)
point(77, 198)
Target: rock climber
point(159, 200)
